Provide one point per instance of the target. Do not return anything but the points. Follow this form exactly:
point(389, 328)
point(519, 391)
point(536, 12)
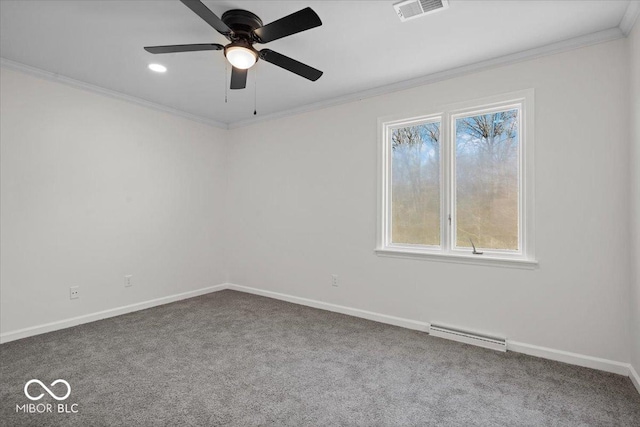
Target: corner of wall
point(226, 237)
point(633, 43)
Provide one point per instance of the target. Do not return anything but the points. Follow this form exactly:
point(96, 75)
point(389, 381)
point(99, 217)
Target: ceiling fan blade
point(290, 64)
point(208, 16)
point(302, 20)
point(238, 78)
point(183, 48)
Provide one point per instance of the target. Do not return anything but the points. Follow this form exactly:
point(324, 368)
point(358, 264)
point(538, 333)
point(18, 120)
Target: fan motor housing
point(242, 22)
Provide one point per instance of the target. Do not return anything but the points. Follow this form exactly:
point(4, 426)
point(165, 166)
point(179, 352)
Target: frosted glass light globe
point(241, 57)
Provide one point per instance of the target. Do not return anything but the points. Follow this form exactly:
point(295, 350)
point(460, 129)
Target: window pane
point(415, 193)
point(487, 180)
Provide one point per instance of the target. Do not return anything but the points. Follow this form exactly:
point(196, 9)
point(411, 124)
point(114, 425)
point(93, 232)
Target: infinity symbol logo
point(52, 394)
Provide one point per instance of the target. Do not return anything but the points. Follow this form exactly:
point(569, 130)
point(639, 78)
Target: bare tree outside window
point(415, 189)
point(487, 180)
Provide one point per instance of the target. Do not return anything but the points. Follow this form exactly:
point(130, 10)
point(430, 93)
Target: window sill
point(462, 259)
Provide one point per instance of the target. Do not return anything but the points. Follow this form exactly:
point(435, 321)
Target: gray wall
point(95, 188)
point(302, 192)
point(634, 50)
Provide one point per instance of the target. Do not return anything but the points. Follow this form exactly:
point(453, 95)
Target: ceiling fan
point(243, 28)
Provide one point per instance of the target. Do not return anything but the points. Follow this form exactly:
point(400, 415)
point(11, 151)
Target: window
point(415, 183)
point(456, 185)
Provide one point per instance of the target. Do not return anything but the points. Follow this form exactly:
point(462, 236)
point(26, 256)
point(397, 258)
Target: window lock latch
point(475, 252)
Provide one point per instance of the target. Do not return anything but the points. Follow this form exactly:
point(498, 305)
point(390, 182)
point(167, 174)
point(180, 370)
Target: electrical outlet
point(334, 280)
point(128, 281)
point(74, 292)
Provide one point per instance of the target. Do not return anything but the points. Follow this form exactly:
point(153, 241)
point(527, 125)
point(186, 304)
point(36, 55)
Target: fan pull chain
point(255, 92)
point(226, 69)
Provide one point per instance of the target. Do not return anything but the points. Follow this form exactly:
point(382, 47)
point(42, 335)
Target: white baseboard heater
point(468, 337)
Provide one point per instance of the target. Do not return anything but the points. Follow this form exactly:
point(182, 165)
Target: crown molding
point(37, 72)
point(630, 17)
point(550, 49)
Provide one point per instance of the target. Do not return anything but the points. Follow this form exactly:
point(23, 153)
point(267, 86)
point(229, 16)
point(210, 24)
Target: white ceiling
point(361, 45)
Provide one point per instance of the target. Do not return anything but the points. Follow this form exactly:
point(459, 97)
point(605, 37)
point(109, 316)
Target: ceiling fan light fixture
point(243, 29)
point(241, 57)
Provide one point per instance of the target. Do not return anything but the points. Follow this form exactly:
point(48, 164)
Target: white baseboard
point(356, 312)
point(92, 317)
point(635, 378)
point(570, 358)
point(606, 365)
point(533, 350)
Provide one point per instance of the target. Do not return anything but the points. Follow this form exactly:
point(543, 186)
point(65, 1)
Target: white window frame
point(524, 257)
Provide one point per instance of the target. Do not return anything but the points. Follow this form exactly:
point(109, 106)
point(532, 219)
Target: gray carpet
point(230, 358)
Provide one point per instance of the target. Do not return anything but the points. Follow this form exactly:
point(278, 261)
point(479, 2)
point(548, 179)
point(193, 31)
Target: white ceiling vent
point(410, 9)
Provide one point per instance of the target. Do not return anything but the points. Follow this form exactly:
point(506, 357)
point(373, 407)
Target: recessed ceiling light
point(157, 68)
